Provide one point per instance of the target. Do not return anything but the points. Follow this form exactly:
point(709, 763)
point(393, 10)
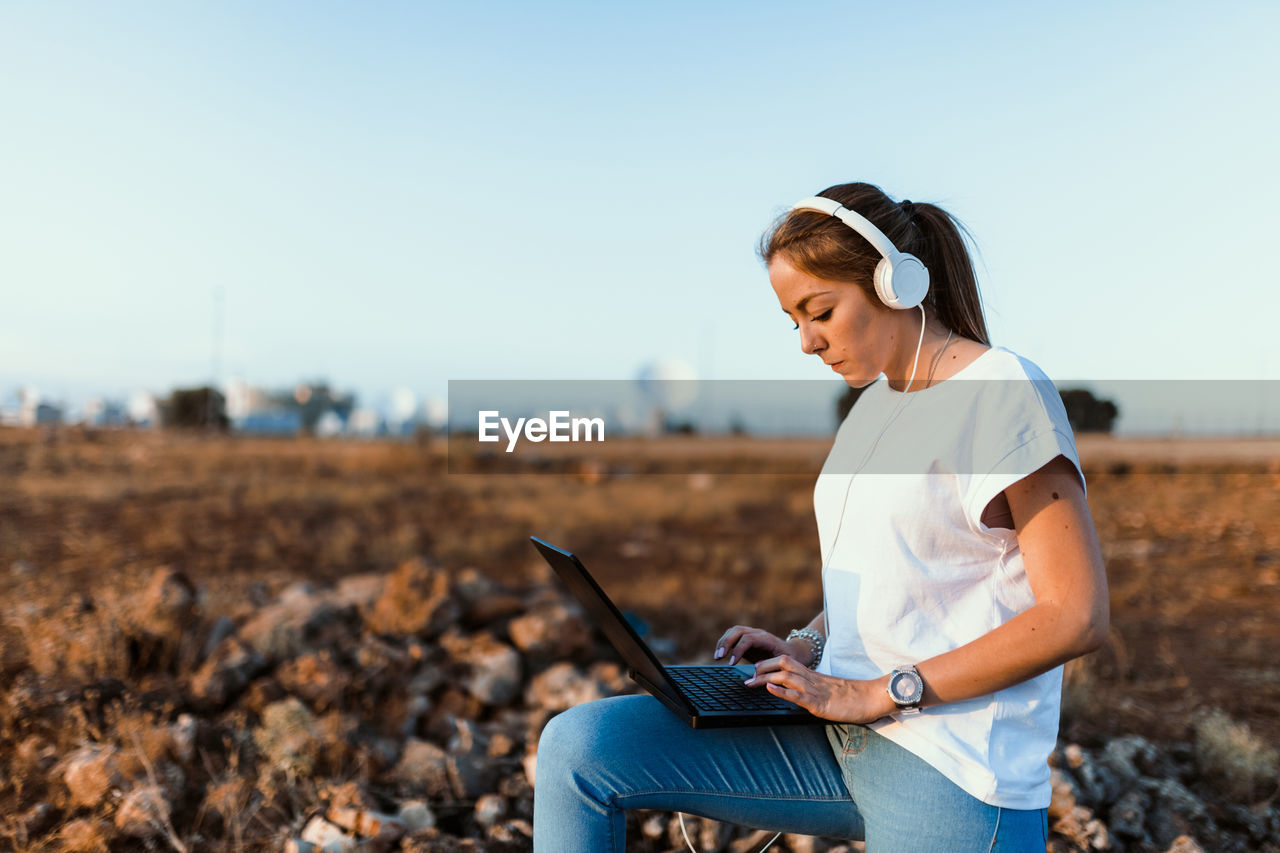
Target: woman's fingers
point(739, 640)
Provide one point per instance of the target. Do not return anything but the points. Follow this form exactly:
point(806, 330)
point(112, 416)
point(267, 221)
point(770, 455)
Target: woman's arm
point(1070, 617)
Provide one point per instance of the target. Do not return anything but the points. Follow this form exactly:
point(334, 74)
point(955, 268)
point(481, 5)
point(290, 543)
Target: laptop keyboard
point(720, 688)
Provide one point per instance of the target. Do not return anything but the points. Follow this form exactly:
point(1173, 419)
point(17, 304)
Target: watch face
point(905, 689)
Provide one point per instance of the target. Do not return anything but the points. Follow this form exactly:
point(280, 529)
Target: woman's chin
point(855, 381)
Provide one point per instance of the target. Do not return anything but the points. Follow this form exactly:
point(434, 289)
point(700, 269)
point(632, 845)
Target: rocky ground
point(401, 711)
point(255, 647)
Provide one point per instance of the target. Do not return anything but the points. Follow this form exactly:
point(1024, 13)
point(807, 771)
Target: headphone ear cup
point(882, 278)
point(903, 283)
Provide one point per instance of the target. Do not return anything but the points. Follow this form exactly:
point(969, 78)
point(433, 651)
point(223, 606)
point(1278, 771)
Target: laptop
point(704, 696)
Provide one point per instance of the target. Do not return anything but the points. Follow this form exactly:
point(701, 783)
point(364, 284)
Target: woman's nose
point(810, 341)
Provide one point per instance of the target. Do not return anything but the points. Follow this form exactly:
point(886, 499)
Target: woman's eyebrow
point(800, 305)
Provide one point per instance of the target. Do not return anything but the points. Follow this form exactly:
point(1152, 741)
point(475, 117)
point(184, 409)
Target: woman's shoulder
point(978, 361)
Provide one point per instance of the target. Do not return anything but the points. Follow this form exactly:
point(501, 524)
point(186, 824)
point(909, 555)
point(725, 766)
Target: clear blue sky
point(398, 194)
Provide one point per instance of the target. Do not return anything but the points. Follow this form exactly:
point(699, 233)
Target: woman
point(960, 571)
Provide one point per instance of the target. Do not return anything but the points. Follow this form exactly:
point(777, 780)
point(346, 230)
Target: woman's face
point(837, 321)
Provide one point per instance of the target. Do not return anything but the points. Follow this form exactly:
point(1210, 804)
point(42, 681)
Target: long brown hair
point(824, 247)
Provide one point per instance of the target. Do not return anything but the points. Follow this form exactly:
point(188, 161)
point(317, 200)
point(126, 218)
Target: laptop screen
point(634, 652)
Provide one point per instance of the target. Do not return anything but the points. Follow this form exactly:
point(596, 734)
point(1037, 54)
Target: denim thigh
point(597, 760)
point(907, 804)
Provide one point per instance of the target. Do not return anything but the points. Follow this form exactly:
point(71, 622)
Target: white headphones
point(900, 279)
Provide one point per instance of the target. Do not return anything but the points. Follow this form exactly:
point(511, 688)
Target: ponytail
point(953, 288)
point(826, 248)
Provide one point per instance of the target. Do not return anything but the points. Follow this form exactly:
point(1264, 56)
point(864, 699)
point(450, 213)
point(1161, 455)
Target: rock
point(182, 733)
point(1250, 821)
point(300, 619)
point(361, 591)
point(144, 813)
point(805, 844)
point(227, 672)
point(490, 808)
point(1166, 825)
point(1128, 815)
point(416, 815)
point(1173, 795)
point(434, 841)
point(1097, 784)
point(483, 601)
point(553, 631)
point(1064, 794)
point(1184, 844)
point(91, 773)
point(424, 767)
point(562, 686)
point(289, 738)
point(530, 764)
point(495, 669)
point(367, 823)
point(1127, 757)
point(1083, 829)
point(326, 836)
point(472, 772)
point(517, 833)
point(417, 600)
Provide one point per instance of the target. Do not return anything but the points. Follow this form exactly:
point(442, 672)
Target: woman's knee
point(575, 740)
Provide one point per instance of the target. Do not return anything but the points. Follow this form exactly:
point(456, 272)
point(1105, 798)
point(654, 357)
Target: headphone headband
point(854, 220)
point(901, 280)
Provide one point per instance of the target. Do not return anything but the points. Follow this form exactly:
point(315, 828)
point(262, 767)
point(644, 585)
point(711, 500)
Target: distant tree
point(196, 407)
point(1086, 412)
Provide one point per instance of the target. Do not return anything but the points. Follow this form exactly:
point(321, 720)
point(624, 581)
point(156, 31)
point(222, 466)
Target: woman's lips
point(835, 365)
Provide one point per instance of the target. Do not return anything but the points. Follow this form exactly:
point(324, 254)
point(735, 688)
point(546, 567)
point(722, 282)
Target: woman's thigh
point(909, 805)
point(630, 752)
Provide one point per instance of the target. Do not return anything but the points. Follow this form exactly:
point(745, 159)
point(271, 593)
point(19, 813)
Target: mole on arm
point(1055, 496)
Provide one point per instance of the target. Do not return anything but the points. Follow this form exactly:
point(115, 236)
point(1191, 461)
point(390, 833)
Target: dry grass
point(1231, 755)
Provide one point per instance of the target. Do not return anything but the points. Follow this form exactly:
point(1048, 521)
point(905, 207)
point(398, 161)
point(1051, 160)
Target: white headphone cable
point(685, 832)
point(844, 503)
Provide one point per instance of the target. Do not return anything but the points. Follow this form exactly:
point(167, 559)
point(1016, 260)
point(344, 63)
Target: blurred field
point(1190, 531)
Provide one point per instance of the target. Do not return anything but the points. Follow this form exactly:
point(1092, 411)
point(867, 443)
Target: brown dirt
point(1190, 530)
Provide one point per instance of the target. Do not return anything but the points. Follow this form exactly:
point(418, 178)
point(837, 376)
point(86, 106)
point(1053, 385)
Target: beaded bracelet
point(813, 637)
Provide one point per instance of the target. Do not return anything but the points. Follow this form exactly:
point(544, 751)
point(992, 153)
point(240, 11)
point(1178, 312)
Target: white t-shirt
point(910, 571)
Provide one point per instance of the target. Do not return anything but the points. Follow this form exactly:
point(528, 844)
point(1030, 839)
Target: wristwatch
point(906, 689)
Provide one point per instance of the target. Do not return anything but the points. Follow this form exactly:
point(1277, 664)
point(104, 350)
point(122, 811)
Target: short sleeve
point(1022, 427)
point(1027, 458)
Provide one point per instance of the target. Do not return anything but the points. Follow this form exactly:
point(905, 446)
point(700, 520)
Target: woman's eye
point(823, 317)
point(796, 327)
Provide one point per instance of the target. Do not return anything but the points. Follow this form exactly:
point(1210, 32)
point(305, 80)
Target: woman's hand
point(741, 643)
point(842, 700)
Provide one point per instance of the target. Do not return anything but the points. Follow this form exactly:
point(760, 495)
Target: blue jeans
point(597, 760)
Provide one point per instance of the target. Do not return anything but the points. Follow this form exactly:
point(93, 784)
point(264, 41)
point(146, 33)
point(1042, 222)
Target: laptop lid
point(634, 651)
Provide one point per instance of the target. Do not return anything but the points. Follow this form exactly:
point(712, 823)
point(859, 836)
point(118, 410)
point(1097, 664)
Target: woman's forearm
point(1034, 641)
